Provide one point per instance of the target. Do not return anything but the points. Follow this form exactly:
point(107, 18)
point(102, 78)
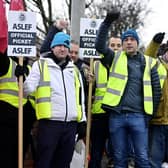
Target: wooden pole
point(87, 158)
point(20, 119)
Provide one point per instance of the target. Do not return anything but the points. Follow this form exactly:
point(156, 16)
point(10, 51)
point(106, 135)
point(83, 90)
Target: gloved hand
point(81, 130)
point(158, 37)
point(21, 70)
point(111, 16)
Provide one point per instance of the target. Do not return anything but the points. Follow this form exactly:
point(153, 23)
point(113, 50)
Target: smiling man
point(60, 107)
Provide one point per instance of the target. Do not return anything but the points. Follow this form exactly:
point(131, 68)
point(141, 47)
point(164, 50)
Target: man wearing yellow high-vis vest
point(132, 94)
point(158, 129)
point(59, 105)
point(99, 125)
point(9, 103)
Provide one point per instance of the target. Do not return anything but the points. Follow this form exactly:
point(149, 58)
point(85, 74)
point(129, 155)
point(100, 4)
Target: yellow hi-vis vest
point(43, 93)
point(118, 77)
point(9, 86)
point(101, 82)
point(162, 72)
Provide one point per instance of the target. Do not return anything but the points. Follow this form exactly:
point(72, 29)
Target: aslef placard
point(21, 34)
point(88, 31)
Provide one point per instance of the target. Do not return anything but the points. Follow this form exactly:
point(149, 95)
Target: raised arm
point(55, 28)
point(102, 37)
point(153, 46)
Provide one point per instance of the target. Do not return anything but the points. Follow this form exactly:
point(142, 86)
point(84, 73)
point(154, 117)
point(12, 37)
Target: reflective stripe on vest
point(101, 82)
point(43, 93)
point(118, 78)
point(9, 86)
point(162, 72)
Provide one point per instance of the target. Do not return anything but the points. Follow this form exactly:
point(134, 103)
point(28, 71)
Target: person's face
point(115, 44)
point(60, 51)
point(130, 46)
point(74, 51)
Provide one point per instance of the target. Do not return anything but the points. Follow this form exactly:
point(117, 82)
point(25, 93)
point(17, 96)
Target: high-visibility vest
point(162, 72)
point(43, 93)
point(9, 86)
point(118, 77)
point(101, 82)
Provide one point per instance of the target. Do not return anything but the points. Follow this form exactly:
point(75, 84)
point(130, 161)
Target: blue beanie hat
point(61, 38)
point(130, 33)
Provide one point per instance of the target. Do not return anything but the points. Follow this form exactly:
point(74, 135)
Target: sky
point(156, 21)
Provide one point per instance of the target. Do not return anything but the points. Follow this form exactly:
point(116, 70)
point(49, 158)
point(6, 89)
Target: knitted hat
point(61, 38)
point(130, 33)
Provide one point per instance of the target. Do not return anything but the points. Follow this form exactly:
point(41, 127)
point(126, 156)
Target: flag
point(16, 5)
point(3, 27)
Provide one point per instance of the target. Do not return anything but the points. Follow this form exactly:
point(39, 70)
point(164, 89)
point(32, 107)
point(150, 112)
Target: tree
point(132, 13)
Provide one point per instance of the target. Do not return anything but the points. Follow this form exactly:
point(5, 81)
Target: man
point(115, 43)
point(9, 113)
point(132, 94)
point(82, 65)
point(59, 103)
point(158, 130)
point(99, 127)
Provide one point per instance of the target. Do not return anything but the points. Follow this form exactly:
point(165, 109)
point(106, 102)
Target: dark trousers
point(55, 143)
point(9, 134)
point(99, 135)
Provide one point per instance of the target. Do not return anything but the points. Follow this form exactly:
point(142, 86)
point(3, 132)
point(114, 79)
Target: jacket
point(161, 117)
point(101, 47)
point(63, 99)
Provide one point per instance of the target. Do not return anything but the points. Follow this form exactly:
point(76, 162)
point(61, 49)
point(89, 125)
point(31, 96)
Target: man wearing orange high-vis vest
point(132, 94)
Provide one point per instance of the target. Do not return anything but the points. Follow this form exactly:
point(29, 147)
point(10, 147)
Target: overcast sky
point(156, 20)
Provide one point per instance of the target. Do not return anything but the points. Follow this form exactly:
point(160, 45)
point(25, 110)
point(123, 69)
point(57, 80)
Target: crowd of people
point(129, 106)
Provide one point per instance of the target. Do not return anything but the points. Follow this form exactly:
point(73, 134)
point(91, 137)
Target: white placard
point(21, 34)
point(88, 31)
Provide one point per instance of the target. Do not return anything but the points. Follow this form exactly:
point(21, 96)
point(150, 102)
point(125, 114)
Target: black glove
point(111, 16)
point(158, 38)
point(81, 130)
point(21, 70)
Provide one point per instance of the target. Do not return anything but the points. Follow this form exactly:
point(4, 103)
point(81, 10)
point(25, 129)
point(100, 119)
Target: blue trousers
point(55, 143)
point(121, 127)
point(158, 144)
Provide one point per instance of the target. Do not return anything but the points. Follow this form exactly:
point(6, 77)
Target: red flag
point(3, 27)
point(17, 5)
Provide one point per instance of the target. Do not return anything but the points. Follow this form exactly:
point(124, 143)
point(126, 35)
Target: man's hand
point(112, 16)
point(62, 24)
point(21, 70)
point(158, 37)
point(81, 130)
